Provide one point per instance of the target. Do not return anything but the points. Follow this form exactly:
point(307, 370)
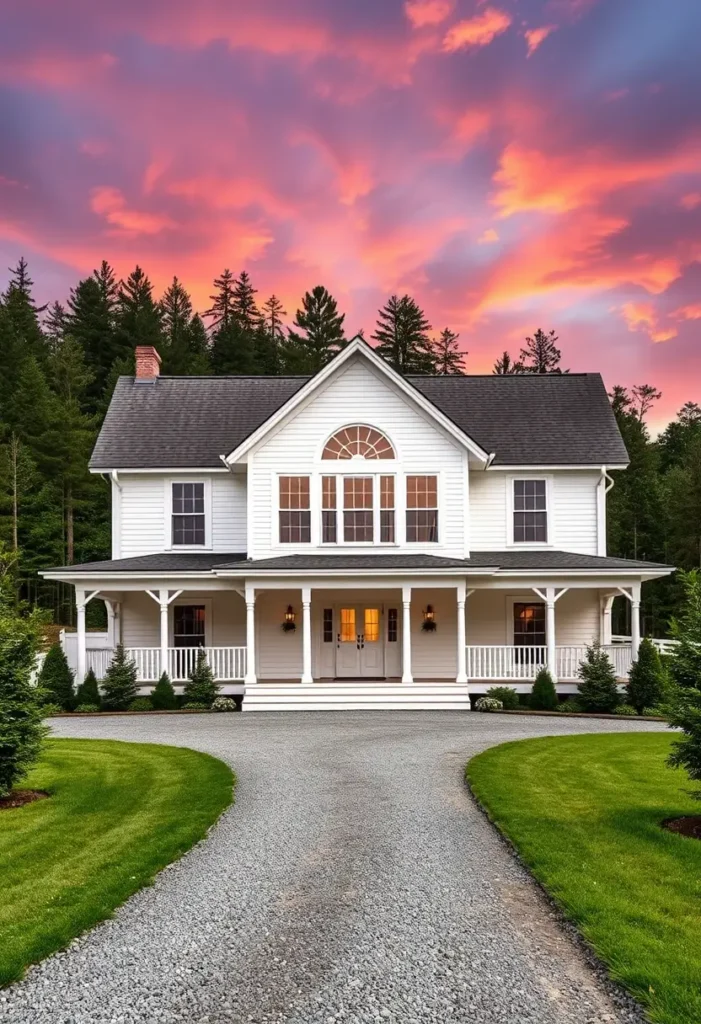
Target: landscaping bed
point(582, 714)
point(116, 814)
point(586, 814)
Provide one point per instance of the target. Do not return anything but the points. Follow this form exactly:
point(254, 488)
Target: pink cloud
point(477, 31)
point(490, 235)
point(111, 204)
point(535, 36)
point(422, 13)
point(642, 316)
point(690, 201)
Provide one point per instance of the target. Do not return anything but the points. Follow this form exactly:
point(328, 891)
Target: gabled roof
point(525, 420)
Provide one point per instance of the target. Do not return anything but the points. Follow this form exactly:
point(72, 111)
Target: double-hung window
point(358, 526)
point(188, 514)
point(357, 510)
point(530, 512)
point(295, 510)
point(422, 509)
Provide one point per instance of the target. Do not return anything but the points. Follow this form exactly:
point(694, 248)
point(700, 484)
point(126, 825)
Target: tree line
point(60, 363)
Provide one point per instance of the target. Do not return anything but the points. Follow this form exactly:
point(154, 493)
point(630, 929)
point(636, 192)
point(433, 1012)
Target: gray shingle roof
point(188, 422)
point(505, 560)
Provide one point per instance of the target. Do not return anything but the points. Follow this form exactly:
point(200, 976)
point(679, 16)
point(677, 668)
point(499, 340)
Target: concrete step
point(356, 696)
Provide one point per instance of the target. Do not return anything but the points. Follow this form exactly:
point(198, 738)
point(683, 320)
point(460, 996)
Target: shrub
point(141, 704)
point(56, 679)
point(646, 681)
point(544, 694)
point(163, 695)
point(87, 708)
point(49, 710)
point(488, 704)
point(505, 695)
point(571, 705)
point(660, 711)
point(88, 691)
point(685, 662)
point(625, 709)
point(685, 713)
point(21, 728)
point(119, 684)
point(223, 704)
point(194, 706)
point(201, 687)
point(597, 690)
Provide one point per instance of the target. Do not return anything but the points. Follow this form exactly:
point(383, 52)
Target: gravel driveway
point(354, 880)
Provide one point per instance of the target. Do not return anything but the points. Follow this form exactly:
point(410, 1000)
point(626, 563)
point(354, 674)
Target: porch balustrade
point(523, 662)
point(228, 664)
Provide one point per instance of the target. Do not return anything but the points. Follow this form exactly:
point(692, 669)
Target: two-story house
point(357, 538)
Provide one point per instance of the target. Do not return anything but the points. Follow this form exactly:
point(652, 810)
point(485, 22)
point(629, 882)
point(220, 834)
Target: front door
point(360, 648)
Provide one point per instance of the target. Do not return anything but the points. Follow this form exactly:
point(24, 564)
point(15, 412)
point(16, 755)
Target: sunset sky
point(512, 164)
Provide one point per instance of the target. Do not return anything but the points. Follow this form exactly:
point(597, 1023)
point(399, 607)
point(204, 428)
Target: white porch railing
point(228, 664)
point(663, 646)
point(512, 662)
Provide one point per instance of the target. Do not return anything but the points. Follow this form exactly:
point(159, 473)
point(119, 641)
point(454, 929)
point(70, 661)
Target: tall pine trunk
point(70, 550)
point(14, 454)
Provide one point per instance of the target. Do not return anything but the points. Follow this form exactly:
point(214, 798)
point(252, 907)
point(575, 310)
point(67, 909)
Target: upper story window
point(295, 510)
point(530, 512)
point(188, 514)
point(358, 441)
point(422, 509)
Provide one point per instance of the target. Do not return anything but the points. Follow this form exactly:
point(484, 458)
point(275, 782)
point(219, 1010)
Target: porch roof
point(488, 562)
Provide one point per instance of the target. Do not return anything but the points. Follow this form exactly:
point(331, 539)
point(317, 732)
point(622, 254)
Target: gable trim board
point(357, 347)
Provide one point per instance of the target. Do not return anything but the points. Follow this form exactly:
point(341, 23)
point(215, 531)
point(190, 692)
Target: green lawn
point(118, 813)
point(584, 813)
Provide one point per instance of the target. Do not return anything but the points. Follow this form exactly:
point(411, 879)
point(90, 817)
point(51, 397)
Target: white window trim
point(417, 545)
point(513, 599)
point(549, 512)
point(289, 545)
point(194, 600)
point(340, 539)
point(168, 504)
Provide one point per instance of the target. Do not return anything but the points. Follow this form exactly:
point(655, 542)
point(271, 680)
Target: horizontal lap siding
point(358, 395)
point(279, 654)
point(489, 611)
point(141, 619)
point(434, 655)
point(487, 511)
point(229, 512)
point(575, 511)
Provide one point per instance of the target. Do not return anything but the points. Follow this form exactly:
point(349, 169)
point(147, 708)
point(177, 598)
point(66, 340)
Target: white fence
point(514, 662)
point(228, 664)
point(663, 646)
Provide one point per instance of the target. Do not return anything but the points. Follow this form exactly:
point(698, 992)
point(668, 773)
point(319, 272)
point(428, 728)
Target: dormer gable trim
point(356, 347)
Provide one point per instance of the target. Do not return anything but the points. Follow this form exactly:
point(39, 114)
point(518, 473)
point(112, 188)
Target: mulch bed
point(20, 797)
point(689, 826)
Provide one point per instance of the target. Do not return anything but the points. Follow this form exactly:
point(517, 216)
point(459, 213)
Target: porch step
point(359, 696)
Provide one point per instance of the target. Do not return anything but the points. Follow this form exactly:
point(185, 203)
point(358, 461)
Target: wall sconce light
point(288, 624)
point(429, 624)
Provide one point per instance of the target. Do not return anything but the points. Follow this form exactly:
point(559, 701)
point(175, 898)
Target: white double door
point(360, 642)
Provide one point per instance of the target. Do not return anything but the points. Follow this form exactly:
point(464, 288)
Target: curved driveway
point(354, 880)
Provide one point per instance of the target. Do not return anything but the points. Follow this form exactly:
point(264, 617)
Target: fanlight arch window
point(356, 440)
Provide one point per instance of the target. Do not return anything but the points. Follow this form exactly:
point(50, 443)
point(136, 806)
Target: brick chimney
point(148, 362)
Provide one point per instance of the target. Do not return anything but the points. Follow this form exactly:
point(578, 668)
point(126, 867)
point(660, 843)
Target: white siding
point(226, 612)
point(358, 395)
point(489, 615)
point(572, 521)
point(144, 529)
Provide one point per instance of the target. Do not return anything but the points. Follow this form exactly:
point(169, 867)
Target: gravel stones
point(354, 880)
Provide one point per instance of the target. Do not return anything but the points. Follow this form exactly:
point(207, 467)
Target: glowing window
point(372, 625)
point(348, 634)
point(365, 442)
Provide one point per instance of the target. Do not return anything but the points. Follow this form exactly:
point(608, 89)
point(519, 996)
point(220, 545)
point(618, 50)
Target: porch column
point(250, 677)
point(163, 603)
point(406, 635)
point(111, 619)
point(80, 603)
point(550, 631)
point(306, 635)
point(461, 676)
point(606, 609)
point(635, 619)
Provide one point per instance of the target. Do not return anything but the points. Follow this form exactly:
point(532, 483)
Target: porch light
point(429, 624)
point(288, 623)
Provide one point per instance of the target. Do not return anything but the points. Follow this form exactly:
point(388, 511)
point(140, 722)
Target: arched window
point(354, 441)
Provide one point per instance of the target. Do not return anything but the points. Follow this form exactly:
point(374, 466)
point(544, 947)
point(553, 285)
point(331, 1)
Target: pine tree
point(88, 693)
point(185, 350)
point(323, 335)
point(222, 309)
point(685, 664)
point(686, 715)
point(245, 309)
point(402, 336)
point(681, 496)
point(269, 338)
point(137, 316)
point(540, 354)
point(21, 728)
point(56, 679)
point(23, 312)
point(163, 695)
point(447, 356)
point(645, 682)
point(598, 690)
point(506, 367)
point(543, 695)
point(644, 397)
point(55, 323)
point(91, 321)
point(232, 349)
point(119, 687)
point(201, 687)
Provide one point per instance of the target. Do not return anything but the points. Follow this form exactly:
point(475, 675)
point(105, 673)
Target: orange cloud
point(490, 235)
point(690, 201)
point(642, 316)
point(477, 31)
point(535, 36)
point(427, 12)
point(111, 204)
point(529, 179)
point(692, 312)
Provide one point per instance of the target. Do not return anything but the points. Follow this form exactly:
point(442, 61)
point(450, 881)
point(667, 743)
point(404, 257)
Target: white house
point(358, 539)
